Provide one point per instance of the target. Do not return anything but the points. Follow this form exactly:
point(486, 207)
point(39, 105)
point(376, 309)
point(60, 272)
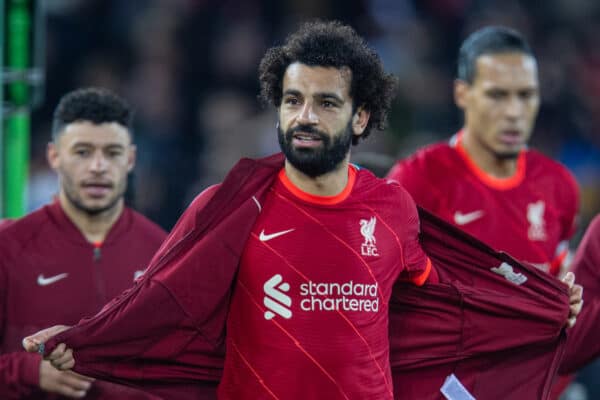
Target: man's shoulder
point(142, 224)
point(25, 226)
point(370, 185)
point(432, 152)
point(539, 163)
point(16, 233)
point(594, 226)
point(427, 161)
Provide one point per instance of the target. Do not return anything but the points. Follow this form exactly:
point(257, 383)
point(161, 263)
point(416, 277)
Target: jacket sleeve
point(167, 332)
point(582, 342)
point(19, 372)
point(464, 323)
point(169, 328)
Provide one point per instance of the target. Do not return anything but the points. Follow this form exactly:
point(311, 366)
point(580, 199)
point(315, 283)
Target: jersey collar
point(321, 200)
point(491, 181)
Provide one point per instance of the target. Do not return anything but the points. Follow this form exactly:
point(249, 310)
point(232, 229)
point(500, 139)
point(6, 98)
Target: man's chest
point(301, 258)
point(528, 223)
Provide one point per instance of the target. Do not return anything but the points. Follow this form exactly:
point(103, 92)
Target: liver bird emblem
point(367, 229)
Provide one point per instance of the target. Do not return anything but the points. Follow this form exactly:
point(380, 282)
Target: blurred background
point(189, 68)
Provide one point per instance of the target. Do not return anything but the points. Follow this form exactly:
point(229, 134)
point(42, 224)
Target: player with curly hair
point(287, 268)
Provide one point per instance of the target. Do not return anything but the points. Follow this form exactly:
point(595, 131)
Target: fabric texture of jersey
point(189, 284)
point(50, 274)
point(311, 296)
point(496, 324)
point(583, 345)
point(530, 215)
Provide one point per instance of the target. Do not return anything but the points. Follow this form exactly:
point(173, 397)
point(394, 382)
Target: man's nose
point(308, 115)
point(99, 162)
point(515, 107)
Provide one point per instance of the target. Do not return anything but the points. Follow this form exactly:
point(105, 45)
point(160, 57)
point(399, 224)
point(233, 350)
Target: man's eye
point(526, 95)
point(496, 95)
point(82, 152)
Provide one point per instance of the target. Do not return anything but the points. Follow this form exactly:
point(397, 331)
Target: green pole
point(17, 124)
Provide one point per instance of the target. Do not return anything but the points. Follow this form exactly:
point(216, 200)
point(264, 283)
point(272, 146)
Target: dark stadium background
point(189, 69)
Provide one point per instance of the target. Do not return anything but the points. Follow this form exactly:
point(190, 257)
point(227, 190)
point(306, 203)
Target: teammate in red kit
point(65, 260)
point(286, 269)
point(485, 179)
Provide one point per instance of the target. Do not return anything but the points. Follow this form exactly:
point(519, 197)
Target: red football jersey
point(531, 215)
point(309, 313)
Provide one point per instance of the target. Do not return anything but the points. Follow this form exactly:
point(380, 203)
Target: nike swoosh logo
point(264, 237)
point(49, 281)
point(463, 219)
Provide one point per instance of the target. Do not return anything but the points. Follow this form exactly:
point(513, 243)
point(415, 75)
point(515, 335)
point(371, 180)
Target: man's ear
point(461, 93)
point(360, 119)
point(52, 155)
point(131, 157)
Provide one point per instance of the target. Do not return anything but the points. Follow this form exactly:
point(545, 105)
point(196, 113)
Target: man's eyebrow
point(89, 144)
point(328, 95)
point(292, 92)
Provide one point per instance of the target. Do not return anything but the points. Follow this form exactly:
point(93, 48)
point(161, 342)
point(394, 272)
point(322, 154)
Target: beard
point(316, 161)
point(69, 188)
point(503, 156)
point(90, 210)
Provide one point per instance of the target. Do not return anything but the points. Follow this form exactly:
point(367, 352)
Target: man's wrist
point(30, 369)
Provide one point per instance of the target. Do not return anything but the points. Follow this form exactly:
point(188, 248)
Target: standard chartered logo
point(275, 300)
point(319, 296)
point(334, 296)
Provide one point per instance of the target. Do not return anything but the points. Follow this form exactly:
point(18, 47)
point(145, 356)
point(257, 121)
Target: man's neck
point(329, 184)
point(486, 160)
point(94, 227)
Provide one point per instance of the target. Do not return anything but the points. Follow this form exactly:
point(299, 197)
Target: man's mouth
point(511, 137)
point(303, 139)
point(97, 189)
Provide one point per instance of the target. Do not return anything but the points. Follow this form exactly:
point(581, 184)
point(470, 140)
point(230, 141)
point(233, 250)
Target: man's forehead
point(510, 67)
point(300, 76)
point(85, 132)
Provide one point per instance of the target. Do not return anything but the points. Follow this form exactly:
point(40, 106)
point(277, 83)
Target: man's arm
point(180, 252)
point(22, 373)
point(18, 371)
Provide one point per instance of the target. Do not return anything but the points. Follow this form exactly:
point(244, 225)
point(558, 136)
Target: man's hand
point(65, 383)
point(34, 343)
point(575, 298)
point(61, 357)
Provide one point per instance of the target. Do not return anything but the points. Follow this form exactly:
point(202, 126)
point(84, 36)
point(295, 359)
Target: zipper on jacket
point(97, 251)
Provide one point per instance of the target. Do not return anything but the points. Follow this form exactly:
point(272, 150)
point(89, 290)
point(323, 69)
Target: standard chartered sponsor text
point(349, 296)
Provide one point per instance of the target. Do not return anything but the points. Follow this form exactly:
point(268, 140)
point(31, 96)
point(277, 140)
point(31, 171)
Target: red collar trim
point(492, 181)
point(322, 200)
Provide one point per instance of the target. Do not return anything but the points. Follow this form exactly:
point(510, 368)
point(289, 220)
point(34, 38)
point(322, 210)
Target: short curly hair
point(332, 44)
point(96, 105)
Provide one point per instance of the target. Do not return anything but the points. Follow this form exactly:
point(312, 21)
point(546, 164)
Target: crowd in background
point(189, 69)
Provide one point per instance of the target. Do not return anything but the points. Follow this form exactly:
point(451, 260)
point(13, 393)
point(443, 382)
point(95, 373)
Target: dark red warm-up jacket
point(166, 334)
point(583, 345)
